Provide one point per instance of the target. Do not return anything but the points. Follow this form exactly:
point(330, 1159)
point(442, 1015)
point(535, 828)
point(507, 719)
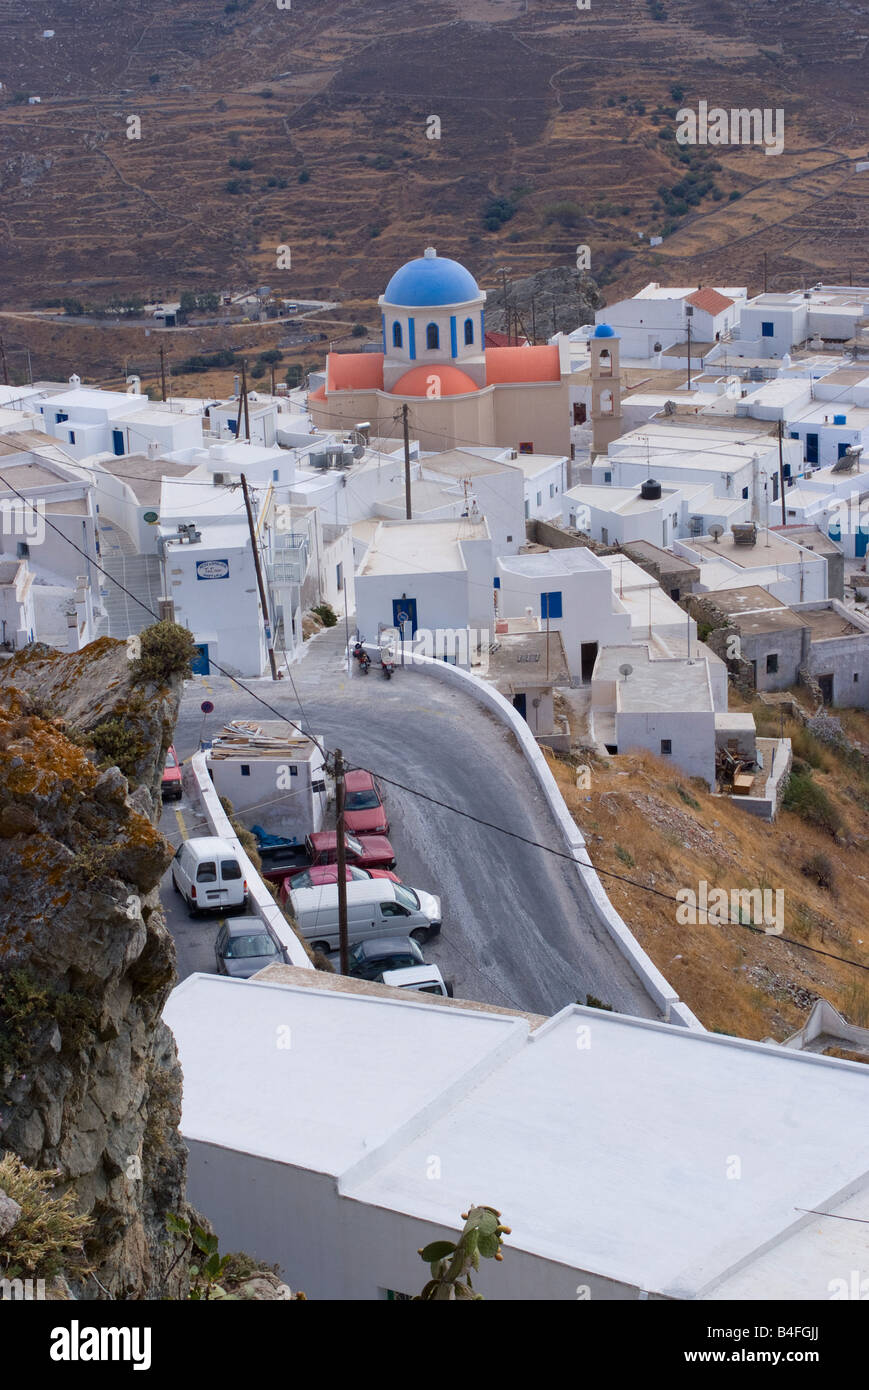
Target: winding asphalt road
point(517, 928)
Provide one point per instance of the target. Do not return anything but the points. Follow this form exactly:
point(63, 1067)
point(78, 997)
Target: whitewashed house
point(600, 1138)
point(572, 590)
point(429, 578)
point(17, 614)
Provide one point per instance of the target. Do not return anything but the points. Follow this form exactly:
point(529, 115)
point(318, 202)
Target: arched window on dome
point(396, 335)
point(469, 332)
point(432, 337)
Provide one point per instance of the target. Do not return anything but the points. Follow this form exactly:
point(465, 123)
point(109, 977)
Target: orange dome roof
point(435, 379)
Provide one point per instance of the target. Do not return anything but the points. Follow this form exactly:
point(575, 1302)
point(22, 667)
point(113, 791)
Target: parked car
point(374, 909)
point(245, 945)
point(365, 851)
point(328, 873)
point(170, 785)
point(207, 874)
point(364, 812)
point(425, 979)
point(368, 959)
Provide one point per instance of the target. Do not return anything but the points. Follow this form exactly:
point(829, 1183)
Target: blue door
point(200, 664)
point(811, 448)
point(404, 612)
point(861, 538)
point(118, 442)
point(520, 705)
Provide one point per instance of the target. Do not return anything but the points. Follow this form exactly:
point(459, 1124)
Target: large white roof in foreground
point(610, 1144)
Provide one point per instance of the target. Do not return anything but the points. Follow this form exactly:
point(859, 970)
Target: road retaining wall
point(658, 988)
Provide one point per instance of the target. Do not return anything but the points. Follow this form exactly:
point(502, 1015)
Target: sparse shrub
point(326, 613)
point(592, 1002)
point(305, 175)
point(48, 1236)
point(565, 213)
point(687, 797)
point(26, 1006)
point(820, 868)
point(167, 649)
point(118, 745)
point(811, 803)
point(625, 856)
point(359, 330)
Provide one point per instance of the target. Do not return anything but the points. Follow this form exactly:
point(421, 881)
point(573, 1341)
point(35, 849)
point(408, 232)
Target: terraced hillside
point(309, 125)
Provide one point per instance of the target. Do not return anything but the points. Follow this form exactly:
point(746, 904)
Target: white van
point(207, 874)
point(375, 907)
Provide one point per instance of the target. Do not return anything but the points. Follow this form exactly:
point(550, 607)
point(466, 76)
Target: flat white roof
point(632, 1134)
point(573, 559)
point(350, 1080)
point(656, 686)
point(632, 1130)
point(424, 546)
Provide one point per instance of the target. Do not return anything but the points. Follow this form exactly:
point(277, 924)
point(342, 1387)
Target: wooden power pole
point(343, 943)
point(163, 369)
point(4, 363)
point(781, 474)
point(259, 577)
point(407, 502)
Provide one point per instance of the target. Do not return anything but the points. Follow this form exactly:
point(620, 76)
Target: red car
point(171, 783)
point(364, 812)
point(328, 873)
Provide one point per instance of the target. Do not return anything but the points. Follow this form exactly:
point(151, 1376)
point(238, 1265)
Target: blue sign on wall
point(212, 569)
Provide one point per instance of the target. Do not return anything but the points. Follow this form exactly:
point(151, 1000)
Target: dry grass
point(736, 981)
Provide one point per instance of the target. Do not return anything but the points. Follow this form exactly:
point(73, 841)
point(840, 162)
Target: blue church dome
point(603, 330)
point(429, 281)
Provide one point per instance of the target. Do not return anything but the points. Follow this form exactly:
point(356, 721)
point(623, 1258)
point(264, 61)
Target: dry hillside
point(653, 829)
point(307, 126)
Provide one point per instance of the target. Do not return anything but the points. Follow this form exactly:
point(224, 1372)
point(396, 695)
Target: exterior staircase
point(141, 575)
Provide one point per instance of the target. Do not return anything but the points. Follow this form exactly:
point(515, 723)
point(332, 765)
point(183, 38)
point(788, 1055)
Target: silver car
point(245, 945)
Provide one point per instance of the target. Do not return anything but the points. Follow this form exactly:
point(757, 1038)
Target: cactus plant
point(451, 1262)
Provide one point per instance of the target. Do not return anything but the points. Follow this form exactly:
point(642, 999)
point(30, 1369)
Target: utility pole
point(407, 502)
point(764, 272)
point(781, 473)
point(273, 378)
point(29, 366)
point(244, 400)
point(533, 322)
point(3, 363)
point(163, 369)
point(689, 312)
point(341, 847)
point(504, 299)
point(259, 577)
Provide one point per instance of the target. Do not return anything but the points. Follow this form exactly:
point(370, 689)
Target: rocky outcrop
point(90, 1083)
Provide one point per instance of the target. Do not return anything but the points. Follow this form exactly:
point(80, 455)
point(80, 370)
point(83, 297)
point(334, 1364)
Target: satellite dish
point(625, 670)
point(716, 531)
point(658, 347)
point(358, 450)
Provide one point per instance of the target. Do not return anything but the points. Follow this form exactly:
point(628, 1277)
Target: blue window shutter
point(767, 330)
point(550, 604)
point(411, 339)
point(454, 342)
point(497, 581)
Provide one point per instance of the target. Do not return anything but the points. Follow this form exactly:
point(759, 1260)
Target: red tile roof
point(355, 371)
point(709, 300)
point(518, 364)
point(419, 381)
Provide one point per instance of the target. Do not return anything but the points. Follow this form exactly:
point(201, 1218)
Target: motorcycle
point(362, 657)
point(387, 667)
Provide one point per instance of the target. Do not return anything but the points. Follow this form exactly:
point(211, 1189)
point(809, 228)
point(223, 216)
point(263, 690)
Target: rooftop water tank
point(840, 419)
point(650, 490)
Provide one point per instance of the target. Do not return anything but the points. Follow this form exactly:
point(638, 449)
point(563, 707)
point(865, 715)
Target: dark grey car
point(244, 946)
point(368, 959)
